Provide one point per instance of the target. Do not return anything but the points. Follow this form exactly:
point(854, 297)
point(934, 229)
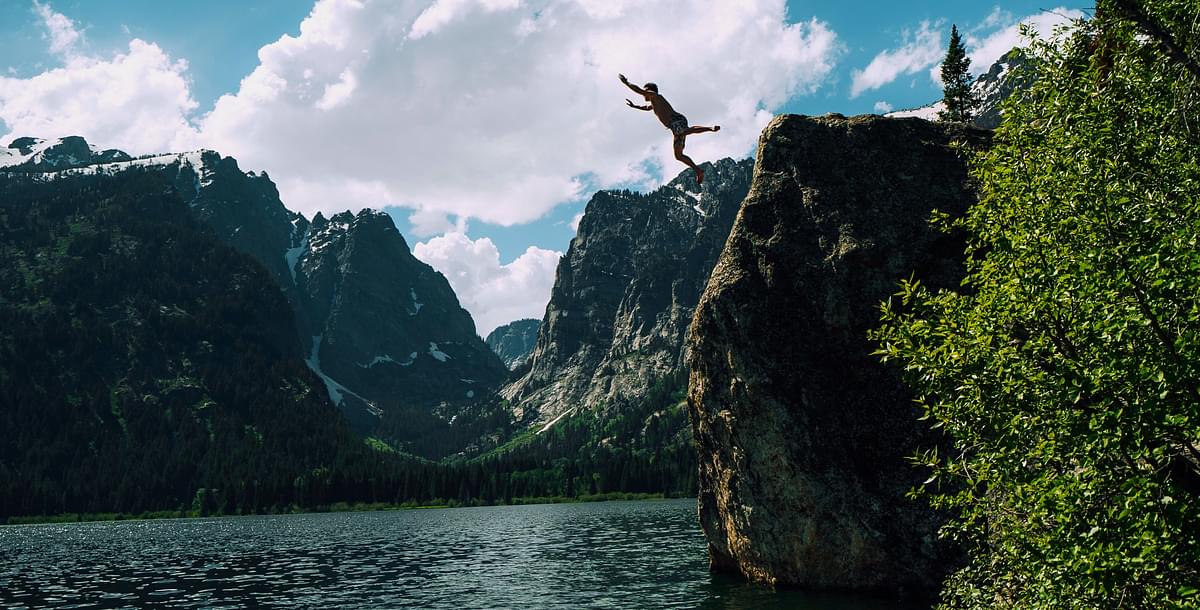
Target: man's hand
point(630, 102)
point(636, 89)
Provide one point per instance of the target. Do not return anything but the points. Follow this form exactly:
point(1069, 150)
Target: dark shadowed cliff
point(802, 434)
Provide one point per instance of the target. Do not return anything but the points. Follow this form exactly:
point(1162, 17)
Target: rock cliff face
point(514, 342)
point(802, 434)
point(624, 293)
point(386, 328)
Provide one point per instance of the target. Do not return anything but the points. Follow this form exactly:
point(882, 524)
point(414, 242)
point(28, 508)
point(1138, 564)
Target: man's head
point(650, 87)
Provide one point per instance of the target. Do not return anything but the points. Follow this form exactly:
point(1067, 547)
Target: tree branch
point(1131, 11)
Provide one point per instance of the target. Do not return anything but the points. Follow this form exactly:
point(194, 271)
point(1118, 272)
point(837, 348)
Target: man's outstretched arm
point(633, 105)
point(636, 89)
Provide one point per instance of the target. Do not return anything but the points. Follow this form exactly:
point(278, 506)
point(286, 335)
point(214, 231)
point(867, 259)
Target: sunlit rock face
point(802, 434)
point(625, 292)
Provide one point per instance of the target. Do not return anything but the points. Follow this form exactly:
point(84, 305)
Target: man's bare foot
point(716, 128)
point(699, 176)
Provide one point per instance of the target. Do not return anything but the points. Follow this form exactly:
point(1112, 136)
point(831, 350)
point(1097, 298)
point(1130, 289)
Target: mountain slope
point(1006, 76)
point(624, 294)
point(141, 359)
point(351, 284)
point(389, 328)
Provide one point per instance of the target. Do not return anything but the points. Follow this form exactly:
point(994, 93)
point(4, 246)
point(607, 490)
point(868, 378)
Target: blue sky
point(221, 38)
point(440, 112)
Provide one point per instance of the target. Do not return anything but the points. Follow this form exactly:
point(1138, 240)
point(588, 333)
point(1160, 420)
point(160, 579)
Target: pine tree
point(956, 79)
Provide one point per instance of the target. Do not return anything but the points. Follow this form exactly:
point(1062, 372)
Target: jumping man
point(674, 121)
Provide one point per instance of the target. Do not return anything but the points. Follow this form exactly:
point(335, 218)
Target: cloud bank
point(487, 109)
point(139, 100)
point(496, 110)
point(495, 294)
point(986, 42)
point(920, 49)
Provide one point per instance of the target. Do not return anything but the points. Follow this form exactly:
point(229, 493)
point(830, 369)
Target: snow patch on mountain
point(929, 113)
point(25, 150)
point(292, 255)
point(337, 391)
point(438, 354)
point(416, 304)
point(387, 358)
point(194, 160)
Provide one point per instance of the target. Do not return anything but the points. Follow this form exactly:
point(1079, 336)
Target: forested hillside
point(141, 359)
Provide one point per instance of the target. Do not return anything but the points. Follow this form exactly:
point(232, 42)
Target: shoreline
point(336, 507)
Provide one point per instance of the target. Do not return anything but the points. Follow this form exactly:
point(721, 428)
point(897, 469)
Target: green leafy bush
point(1066, 370)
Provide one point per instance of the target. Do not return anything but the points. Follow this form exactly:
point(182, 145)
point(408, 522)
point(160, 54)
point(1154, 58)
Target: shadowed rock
point(802, 433)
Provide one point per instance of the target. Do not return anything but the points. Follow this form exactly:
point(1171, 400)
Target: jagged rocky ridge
point(36, 155)
point(802, 434)
point(514, 342)
point(624, 294)
point(384, 331)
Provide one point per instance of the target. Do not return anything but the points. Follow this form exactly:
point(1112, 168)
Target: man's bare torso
point(661, 107)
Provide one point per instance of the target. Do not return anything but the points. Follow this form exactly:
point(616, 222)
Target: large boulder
point(803, 434)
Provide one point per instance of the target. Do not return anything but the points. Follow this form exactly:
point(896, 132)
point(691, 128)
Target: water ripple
point(605, 555)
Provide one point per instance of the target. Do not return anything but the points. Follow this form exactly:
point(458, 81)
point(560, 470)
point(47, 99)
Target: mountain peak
point(28, 153)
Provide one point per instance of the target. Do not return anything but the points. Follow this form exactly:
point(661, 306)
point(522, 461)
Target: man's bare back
point(671, 119)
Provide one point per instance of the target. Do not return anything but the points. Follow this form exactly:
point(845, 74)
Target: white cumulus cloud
point(60, 30)
point(137, 100)
point(495, 294)
point(495, 109)
point(1001, 33)
point(921, 48)
point(882, 107)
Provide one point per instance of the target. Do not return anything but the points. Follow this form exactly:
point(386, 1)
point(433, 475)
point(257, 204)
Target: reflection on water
point(605, 555)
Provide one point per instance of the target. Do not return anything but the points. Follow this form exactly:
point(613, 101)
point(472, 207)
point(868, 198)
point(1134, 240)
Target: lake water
point(602, 555)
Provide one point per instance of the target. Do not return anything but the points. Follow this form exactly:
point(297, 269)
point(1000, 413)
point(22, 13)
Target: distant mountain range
point(514, 342)
point(344, 324)
point(383, 331)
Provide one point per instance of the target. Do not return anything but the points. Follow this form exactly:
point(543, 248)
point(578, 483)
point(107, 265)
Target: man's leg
point(679, 142)
point(700, 129)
